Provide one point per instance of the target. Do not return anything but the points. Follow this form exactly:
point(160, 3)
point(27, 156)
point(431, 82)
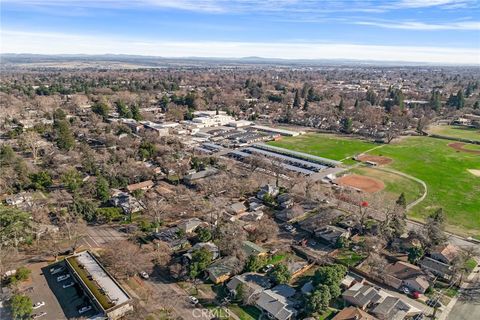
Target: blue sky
point(439, 31)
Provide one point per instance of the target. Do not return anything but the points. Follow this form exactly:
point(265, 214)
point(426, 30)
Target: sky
point(435, 31)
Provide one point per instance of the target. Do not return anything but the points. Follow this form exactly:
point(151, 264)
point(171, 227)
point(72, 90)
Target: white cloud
point(415, 25)
point(58, 43)
point(449, 4)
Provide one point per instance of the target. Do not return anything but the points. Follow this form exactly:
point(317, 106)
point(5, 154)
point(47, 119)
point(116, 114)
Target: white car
point(193, 300)
point(56, 270)
point(36, 316)
point(68, 285)
point(84, 309)
point(38, 304)
point(268, 267)
point(64, 277)
point(144, 275)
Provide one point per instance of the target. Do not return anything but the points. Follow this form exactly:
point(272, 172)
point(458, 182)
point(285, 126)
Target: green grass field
point(325, 145)
point(444, 170)
point(394, 184)
point(456, 132)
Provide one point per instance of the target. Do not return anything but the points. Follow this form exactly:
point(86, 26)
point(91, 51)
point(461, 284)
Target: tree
point(21, 306)
point(281, 274)
point(135, 112)
point(123, 110)
point(41, 180)
point(72, 180)
point(15, 225)
point(102, 189)
point(265, 229)
point(201, 258)
point(7, 155)
point(203, 234)
point(128, 261)
point(347, 124)
point(64, 136)
point(331, 276)
point(341, 105)
point(319, 301)
point(101, 108)
point(401, 201)
point(31, 140)
point(433, 229)
point(85, 208)
point(296, 100)
point(255, 263)
point(415, 254)
point(371, 97)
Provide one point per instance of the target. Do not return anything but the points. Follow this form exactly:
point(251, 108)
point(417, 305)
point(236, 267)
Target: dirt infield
point(475, 172)
point(377, 159)
point(459, 146)
point(363, 183)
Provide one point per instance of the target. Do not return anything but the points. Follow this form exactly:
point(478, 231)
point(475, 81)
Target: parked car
point(193, 300)
point(38, 304)
point(56, 270)
point(144, 275)
point(434, 303)
point(267, 268)
point(68, 285)
point(84, 309)
point(36, 316)
point(405, 290)
point(63, 277)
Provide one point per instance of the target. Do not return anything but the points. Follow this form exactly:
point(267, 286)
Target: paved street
point(468, 306)
point(97, 236)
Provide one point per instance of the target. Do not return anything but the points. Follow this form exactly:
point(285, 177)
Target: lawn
point(349, 258)
point(325, 145)
point(456, 132)
point(444, 170)
point(245, 312)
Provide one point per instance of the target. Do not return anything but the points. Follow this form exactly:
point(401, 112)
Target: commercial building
point(104, 291)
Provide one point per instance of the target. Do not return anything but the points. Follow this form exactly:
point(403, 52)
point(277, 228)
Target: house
point(276, 302)
point(252, 249)
point(210, 246)
point(191, 178)
point(362, 295)
point(173, 237)
point(445, 253)
point(19, 198)
point(253, 283)
point(190, 225)
point(288, 214)
point(144, 185)
point(268, 190)
point(405, 274)
point(331, 234)
point(436, 267)
point(353, 313)
point(391, 308)
point(126, 202)
point(285, 201)
point(237, 208)
point(252, 216)
point(222, 269)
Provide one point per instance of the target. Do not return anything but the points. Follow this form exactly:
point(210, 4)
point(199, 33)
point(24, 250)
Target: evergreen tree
point(296, 100)
point(135, 110)
point(401, 201)
point(341, 105)
point(64, 136)
point(305, 105)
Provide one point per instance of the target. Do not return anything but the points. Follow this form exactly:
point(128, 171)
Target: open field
point(445, 171)
point(325, 145)
point(456, 132)
point(394, 184)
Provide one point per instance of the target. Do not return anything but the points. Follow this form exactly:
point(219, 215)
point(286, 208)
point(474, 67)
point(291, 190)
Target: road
point(171, 295)
point(98, 236)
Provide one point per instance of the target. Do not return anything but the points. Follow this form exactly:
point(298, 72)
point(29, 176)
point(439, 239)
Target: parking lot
point(38, 290)
point(70, 299)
